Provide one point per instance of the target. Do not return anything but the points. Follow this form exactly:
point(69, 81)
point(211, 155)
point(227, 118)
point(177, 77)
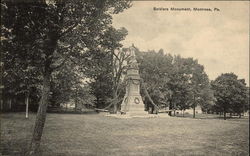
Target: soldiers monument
point(132, 104)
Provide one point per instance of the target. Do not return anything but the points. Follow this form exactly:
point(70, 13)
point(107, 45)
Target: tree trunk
point(115, 108)
point(50, 46)
point(170, 108)
point(10, 104)
point(225, 117)
point(114, 84)
point(76, 103)
point(1, 104)
point(115, 97)
point(239, 115)
point(174, 109)
point(115, 102)
point(75, 107)
point(41, 114)
point(97, 103)
point(27, 105)
point(194, 111)
point(182, 113)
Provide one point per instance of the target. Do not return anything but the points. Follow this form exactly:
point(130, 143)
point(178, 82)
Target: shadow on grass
point(72, 112)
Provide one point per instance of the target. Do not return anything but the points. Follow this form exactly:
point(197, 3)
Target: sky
point(218, 39)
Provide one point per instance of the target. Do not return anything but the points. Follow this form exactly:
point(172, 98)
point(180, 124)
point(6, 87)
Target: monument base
point(136, 111)
point(128, 116)
point(133, 106)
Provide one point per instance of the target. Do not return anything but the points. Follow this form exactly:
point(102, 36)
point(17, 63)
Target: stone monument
point(132, 104)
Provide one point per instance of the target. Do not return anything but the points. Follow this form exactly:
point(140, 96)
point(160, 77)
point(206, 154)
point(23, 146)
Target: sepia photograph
point(124, 78)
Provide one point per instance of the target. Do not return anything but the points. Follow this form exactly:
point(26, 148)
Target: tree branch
point(69, 29)
point(116, 56)
point(60, 65)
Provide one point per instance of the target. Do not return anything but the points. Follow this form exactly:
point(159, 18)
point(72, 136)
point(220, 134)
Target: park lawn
point(95, 134)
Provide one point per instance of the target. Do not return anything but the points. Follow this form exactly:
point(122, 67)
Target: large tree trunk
point(50, 45)
point(41, 114)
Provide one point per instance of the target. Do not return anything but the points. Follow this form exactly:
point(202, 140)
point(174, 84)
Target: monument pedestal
point(133, 106)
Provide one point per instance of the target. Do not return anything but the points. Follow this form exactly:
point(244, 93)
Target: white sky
point(219, 40)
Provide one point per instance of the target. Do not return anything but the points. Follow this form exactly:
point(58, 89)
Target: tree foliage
point(173, 81)
point(155, 69)
point(105, 68)
point(231, 94)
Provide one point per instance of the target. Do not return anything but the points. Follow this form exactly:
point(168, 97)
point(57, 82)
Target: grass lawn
point(97, 135)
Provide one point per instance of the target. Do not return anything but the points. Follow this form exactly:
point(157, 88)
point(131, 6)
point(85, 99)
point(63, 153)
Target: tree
point(230, 93)
point(53, 26)
point(155, 70)
point(66, 84)
point(118, 67)
point(199, 84)
point(189, 84)
point(177, 82)
point(106, 68)
point(181, 97)
point(101, 78)
point(207, 100)
point(21, 76)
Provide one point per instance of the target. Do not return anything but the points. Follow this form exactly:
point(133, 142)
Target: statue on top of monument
point(132, 63)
